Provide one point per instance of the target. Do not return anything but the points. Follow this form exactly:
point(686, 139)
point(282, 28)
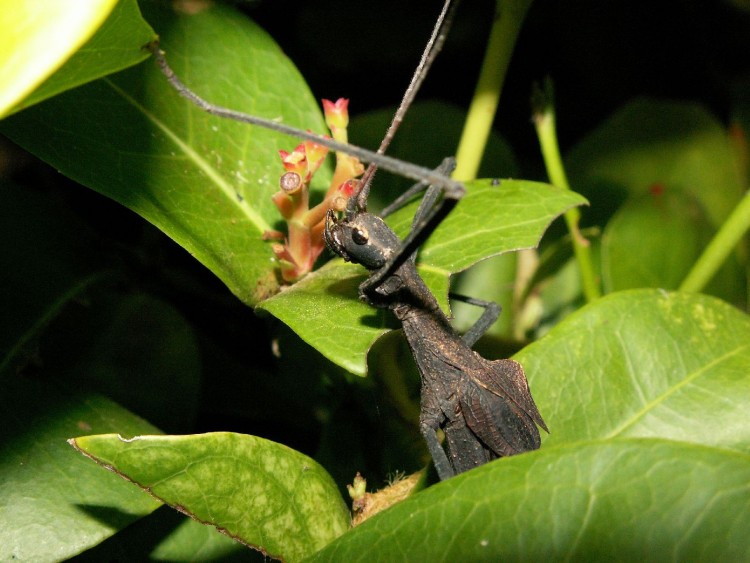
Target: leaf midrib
point(213, 175)
point(689, 378)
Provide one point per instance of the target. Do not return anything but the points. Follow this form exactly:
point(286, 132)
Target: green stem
point(730, 233)
point(509, 16)
point(544, 120)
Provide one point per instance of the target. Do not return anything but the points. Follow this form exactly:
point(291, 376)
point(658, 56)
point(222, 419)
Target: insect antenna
point(431, 51)
point(393, 165)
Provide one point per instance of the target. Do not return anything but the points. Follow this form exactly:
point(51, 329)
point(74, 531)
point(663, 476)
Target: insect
point(483, 407)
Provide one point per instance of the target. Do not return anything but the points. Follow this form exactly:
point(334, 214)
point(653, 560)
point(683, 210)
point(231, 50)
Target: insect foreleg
point(445, 168)
point(489, 316)
point(427, 220)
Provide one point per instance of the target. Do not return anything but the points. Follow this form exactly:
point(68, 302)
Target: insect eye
point(359, 236)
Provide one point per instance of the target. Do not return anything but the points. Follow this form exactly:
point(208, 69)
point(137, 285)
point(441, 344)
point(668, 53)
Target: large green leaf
point(53, 503)
point(646, 394)
point(64, 327)
point(645, 363)
point(491, 219)
point(193, 541)
point(30, 27)
point(131, 347)
point(674, 166)
point(324, 311)
point(263, 494)
point(628, 500)
point(204, 181)
point(653, 241)
point(168, 535)
point(66, 317)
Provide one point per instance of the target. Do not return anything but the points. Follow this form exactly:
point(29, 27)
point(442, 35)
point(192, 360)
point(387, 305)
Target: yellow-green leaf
point(261, 493)
point(49, 47)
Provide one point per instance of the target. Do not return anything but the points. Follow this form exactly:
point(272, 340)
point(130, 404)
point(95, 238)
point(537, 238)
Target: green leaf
point(645, 363)
point(53, 503)
point(263, 494)
point(323, 309)
point(168, 535)
point(205, 181)
point(675, 145)
point(627, 500)
point(67, 317)
point(193, 541)
point(676, 230)
point(32, 72)
point(65, 328)
point(27, 31)
point(646, 394)
point(490, 220)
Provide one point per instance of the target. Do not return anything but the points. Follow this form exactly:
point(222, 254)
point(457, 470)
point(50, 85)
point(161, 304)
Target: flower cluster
point(304, 242)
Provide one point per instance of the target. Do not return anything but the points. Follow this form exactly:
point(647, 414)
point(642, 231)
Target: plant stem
point(509, 16)
point(730, 233)
point(544, 120)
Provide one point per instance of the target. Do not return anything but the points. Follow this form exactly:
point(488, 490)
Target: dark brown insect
point(484, 407)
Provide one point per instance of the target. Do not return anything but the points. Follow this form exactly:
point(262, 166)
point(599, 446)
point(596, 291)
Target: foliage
point(107, 325)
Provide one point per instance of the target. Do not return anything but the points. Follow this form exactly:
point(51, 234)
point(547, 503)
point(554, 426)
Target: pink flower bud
point(337, 117)
point(337, 113)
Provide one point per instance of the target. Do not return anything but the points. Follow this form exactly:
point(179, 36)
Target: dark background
point(599, 54)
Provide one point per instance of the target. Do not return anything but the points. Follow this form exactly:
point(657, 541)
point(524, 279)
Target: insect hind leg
point(439, 458)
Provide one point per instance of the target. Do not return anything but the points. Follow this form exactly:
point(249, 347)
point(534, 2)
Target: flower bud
point(337, 117)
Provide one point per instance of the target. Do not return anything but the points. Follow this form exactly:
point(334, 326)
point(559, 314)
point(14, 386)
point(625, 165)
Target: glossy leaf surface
point(627, 500)
point(29, 29)
point(614, 369)
point(53, 503)
point(205, 181)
